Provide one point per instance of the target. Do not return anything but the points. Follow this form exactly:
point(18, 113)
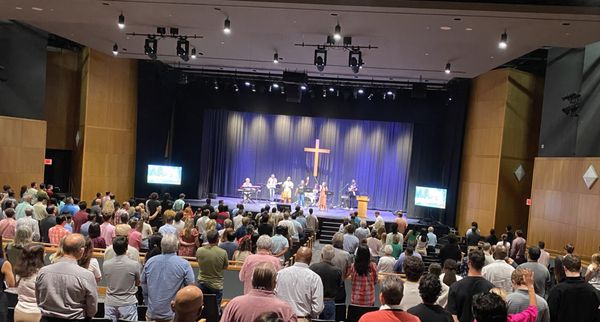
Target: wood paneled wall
point(22, 151)
point(106, 151)
point(563, 210)
point(61, 110)
point(500, 134)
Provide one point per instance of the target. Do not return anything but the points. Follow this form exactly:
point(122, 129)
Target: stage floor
point(335, 213)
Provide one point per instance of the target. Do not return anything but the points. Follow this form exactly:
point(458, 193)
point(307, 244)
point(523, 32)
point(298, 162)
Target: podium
point(363, 203)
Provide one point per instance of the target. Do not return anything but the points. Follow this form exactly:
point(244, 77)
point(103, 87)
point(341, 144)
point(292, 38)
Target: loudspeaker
point(283, 207)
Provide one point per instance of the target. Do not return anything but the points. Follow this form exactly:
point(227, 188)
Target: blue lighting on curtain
point(237, 145)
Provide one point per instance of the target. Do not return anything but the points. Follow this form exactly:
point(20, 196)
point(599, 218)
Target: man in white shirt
point(302, 288)
point(499, 272)
point(30, 222)
point(413, 268)
point(286, 222)
point(379, 223)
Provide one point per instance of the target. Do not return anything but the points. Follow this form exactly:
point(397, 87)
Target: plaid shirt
point(56, 233)
point(363, 286)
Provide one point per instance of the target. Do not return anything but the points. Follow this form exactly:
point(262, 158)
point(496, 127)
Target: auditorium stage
point(336, 213)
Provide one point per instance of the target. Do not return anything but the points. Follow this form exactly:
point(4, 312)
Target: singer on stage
point(300, 193)
point(352, 191)
point(323, 196)
point(271, 185)
point(246, 186)
point(287, 187)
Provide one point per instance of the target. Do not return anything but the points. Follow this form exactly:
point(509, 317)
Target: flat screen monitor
point(430, 197)
point(164, 174)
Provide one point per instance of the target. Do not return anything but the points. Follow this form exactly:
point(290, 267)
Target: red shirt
point(363, 286)
point(79, 219)
point(389, 316)
point(135, 239)
point(56, 233)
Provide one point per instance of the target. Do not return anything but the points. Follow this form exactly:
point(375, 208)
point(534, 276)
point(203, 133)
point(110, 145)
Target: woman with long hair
point(134, 237)
point(363, 274)
point(449, 275)
point(7, 279)
point(88, 262)
point(592, 275)
point(94, 234)
point(244, 250)
point(15, 248)
point(31, 260)
point(188, 239)
point(422, 240)
point(389, 238)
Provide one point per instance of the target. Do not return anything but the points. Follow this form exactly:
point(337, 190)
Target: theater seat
point(356, 311)
point(210, 312)
point(142, 312)
point(340, 312)
point(100, 312)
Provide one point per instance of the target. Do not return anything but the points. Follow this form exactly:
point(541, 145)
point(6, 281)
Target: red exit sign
point(48, 161)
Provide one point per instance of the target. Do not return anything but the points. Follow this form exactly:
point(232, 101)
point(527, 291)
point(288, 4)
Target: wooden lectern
point(363, 203)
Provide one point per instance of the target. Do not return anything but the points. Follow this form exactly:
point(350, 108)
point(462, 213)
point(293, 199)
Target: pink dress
point(185, 250)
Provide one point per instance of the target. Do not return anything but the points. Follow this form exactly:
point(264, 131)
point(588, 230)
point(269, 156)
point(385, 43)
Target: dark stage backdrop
point(236, 145)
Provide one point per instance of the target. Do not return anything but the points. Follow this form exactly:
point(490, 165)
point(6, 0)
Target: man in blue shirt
point(162, 276)
point(168, 228)
point(69, 207)
point(410, 251)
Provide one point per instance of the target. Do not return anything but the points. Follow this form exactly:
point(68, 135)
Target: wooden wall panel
point(61, 110)
point(22, 151)
point(501, 133)
point(108, 125)
point(564, 210)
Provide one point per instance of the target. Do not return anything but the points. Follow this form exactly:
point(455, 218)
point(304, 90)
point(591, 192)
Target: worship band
point(302, 194)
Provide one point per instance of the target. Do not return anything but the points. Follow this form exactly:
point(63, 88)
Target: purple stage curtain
point(236, 145)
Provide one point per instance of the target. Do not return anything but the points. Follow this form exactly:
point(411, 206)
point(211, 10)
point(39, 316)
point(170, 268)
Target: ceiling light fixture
point(183, 48)
point(331, 89)
point(275, 85)
point(503, 43)
point(121, 21)
point(151, 47)
point(194, 53)
point(320, 59)
point(227, 26)
point(448, 69)
point(247, 83)
point(216, 87)
point(337, 32)
point(275, 58)
point(303, 87)
point(361, 91)
point(253, 89)
point(115, 50)
point(355, 60)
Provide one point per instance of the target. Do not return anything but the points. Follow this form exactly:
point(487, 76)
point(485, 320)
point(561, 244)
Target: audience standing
point(332, 279)
point(31, 261)
point(29, 221)
point(518, 247)
point(263, 254)
point(188, 304)
point(163, 275)
point(8, 225)
point(592, 275)
point(519, 300)
point(460, 296)
point(7, 279)
point(413, 268)
point(300, 287)
point(499, 272)
point(212, 261)
point(541, 275)
point(364, 278)
point(122, 279)
point(387, 261)
point(430, 288)
point(56, 233)
point(65, 290)
point(390, 298)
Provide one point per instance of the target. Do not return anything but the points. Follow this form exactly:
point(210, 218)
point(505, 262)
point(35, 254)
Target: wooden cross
point(316, 150)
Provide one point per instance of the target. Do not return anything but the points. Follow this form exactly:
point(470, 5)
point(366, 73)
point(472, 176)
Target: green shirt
point(212, 260)
point(396, 250)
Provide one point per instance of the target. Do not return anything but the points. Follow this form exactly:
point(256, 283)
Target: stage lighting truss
point(183, 45)
point(355, 61)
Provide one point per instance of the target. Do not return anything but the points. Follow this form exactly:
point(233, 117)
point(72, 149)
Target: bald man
point(64, 290)
point(300, 287)
point(188, 304)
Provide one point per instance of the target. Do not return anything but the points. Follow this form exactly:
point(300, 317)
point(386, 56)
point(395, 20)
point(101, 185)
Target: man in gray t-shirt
point(519, 300)
point(122, 276)
point(541, 275)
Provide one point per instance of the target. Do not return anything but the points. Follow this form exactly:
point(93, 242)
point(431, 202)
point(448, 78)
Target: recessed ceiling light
point(427, 28)
point(446, 28)
point(18, 8)
point(491, 57)
point(334, 14)
point(468, 29)
point(457, 19)
point(426, 54)
point(105, 4)
point(37, 9)
point(566, 23)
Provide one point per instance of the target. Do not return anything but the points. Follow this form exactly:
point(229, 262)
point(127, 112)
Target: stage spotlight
point(275, 85)
point(303, 87)
point(216, 87)
point(324, 92)
point(247, 83)
point(370, 97)
point(193, 53)
point(253, 89)
point(115, 50)
point(503, 43)
point(227, 26)
point(331, 89)
point(320, 59)
point(282, 89)
point(390, 93)
point(151, 47)
point(275, 58)
point(361, 91)
point(236, 88)
point(121, 21)
point(448, 69)
point(183, 48)
point(337, 32)
point(355, 60)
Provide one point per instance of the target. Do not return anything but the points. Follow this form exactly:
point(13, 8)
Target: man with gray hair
point(331, 277)
point(342, 260)
point(362, 232)
point(263, 254)
point(29, 221)
point(23, 206)
point(392, 290)
point(162, 276)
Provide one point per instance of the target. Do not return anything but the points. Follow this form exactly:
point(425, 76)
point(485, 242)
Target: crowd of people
point(493, 279)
